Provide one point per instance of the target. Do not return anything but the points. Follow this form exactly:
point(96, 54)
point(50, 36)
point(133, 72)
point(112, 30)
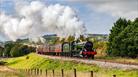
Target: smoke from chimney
point(35, 19)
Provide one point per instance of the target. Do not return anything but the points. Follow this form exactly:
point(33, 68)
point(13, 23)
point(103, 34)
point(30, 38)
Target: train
point(73, 49)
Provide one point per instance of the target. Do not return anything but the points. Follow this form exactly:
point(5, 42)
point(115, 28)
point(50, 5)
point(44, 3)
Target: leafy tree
point(116, 29)
point(78, 40)
point(62, 40)
point(31, 49)
point(7, 48)
point(19, 50)
point(15, 52)
point(70, 38)
point(57, 40)
point(123, 39)
point(129, 40)
point(1, 51)
point(82, 38)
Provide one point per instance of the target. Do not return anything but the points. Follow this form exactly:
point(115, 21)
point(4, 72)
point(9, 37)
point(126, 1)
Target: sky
point(98, 15)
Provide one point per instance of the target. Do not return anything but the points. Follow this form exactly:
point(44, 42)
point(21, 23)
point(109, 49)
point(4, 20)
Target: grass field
point(34, 61)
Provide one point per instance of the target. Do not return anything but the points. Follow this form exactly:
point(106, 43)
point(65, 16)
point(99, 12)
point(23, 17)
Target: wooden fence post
point(91, 73)
point(40, 72)
point(27, 71)
point(53, 73)
point(62, 71)
point(114, 75)
point(75, 75)
point(30, 71)
point(37, 71)
point(46, 72)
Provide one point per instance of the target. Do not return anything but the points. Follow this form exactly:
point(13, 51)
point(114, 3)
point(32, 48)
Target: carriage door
point(65, 47)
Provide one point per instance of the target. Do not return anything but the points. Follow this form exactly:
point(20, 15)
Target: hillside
point(34, 61)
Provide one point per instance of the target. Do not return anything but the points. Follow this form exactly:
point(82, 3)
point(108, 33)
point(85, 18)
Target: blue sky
point(98, 15)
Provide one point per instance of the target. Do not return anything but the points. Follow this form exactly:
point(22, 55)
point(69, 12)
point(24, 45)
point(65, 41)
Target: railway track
point(98, 62)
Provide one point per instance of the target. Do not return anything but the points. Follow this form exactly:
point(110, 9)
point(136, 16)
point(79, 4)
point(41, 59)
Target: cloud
point(117, 8)
point(35, 18)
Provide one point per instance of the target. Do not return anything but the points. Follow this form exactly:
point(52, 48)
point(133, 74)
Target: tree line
point(14, 49)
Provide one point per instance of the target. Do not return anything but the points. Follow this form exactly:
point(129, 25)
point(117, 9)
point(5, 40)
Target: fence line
point(38, 72)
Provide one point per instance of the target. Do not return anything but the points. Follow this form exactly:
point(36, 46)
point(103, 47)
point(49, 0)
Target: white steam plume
point(35, 19)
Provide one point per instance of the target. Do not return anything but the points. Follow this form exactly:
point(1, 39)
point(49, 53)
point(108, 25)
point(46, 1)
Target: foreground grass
point(34, 61)
point(10, 74)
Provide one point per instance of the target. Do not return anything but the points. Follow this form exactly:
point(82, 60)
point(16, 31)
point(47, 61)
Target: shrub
point(7, 48)
point(1, 51)
point(19, 50)
point(2, 63)
point(31, 49)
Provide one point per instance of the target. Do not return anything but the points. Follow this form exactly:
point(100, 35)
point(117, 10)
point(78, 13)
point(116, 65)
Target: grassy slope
point(101, 54)
point(118, 59)
point(35, 61)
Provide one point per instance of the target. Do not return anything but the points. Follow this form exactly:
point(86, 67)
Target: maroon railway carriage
point(44, 49)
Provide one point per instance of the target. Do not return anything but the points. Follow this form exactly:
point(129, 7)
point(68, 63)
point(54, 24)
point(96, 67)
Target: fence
point(55, 73)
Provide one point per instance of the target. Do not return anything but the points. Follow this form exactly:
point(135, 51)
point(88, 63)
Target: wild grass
point(118, 59)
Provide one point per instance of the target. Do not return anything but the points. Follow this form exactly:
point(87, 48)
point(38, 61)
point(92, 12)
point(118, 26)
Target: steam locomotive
point(73, 49)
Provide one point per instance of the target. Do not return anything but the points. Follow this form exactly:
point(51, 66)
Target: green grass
point(36, 61)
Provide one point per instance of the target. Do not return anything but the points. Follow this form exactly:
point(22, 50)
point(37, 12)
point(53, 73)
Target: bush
point(1, 51)
point(31, 49)
point(7, 48)
point(2, 63)
point(27, 57)
point(19, 50)
point(15, 51)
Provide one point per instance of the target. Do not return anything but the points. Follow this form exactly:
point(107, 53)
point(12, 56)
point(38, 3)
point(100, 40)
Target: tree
point(123, 39)
point(62, 40)
point(70, 38)
point(15, 52)
point(82, 38)
point(57, 40)
point(115, 31)
point(19, 50)
point(7, 48)
point(129, 40)
point(1, 51)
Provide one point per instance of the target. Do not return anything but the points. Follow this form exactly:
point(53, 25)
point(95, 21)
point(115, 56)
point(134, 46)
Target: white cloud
point(118, 8)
